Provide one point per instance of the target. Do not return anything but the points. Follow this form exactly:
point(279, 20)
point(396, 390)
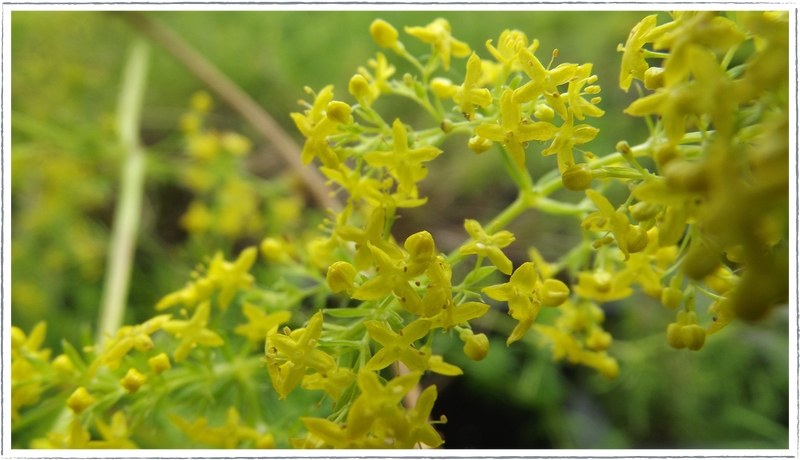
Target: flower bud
point(476, 347)
point(643, 210)
point(674, 336)
point(609, 368)
point(693, 337)
point(341, 276)
point(654, 78)
point(133, 380)
point(544, 112)
point(79, 401)
point(700, 261)
point(577, 177)
point(598, 340)
point(339, 112)
point(273, 249)
point(671, 229)
point(159, 363)
point(143, 342)
point(479, 145)
point(201, 102)
point(383, 33)
point(443, 88)
point(554, 293)
point(63, 365)
point(359, 87)
point(637, 239)
point(420, 245)
point(671, 297)
point(735, 253)
point(623, 148)
point(687, 176)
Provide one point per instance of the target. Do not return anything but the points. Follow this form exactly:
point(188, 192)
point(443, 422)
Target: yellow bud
point(443, 87)
point(359, 87)
point(693, 337)
point(684, 175)
point(79, 401)
point(133, 380)
point(201, 102)
point(338, 112)
point(700, 261)
point(383, 33)
point(236, 144)
point(623, 147)
point(598, 340)
point(608, 368)
point(735, 253)
point(143, 342)
point(160, 363)
point(637, 239)
point(544, 112)
point(420, 245)
point(671, 229)
point(341, 276)
point(265, 442)
point(643, 210)
point(674, 336)
point(476, 347)
point(479, 145)
point(577, 177)
point(671, 297)
point(18, 337)
point(665, 154)
point(63, 365)
point(554, 293)
point(272, 249)
point(654, 78)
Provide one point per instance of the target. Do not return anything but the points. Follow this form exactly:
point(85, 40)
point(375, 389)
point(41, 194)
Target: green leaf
point(348, 312)
point(479, 274)
point(74, 356)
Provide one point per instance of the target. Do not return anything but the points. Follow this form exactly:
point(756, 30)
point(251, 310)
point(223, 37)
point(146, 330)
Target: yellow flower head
point(519, 293)
point(193, 332)
point(470, 93)
point(438, 34)
point(513, 132)
point(487, 245)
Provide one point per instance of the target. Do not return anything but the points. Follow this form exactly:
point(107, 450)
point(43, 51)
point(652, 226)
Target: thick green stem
point(129, 206)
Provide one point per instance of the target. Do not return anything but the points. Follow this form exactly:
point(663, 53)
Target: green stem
point(128, 212)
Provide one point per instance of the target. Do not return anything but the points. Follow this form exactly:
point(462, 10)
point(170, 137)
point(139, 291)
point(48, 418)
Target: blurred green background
point(66, 72)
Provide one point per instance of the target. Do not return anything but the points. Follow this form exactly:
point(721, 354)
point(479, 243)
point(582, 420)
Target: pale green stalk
point(129, 206)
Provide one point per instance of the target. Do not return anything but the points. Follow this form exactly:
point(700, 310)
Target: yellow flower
point(299, 352)
point(574, 96)
point(372, 233)
point(724, 310)
point(394, 275)
point(438, 34)
point(487, 245)
point(566, 138)
point(438, 304)
point(633, 57)
point(377, 408)
point(607, 218)
point(316, 133)
point(398, 346)
point(115, 436)
point(519, 292)
point(544, 82)
point(508, 46)
point(80, 400)
point(193, 332)
point(514, 133)
point(604, 286)
point(197, 219)
point(403, 163)
point(228, 436)
point(159, 364)
point(128, 337)
point(78, 438)
point(420, 431)
point(133, 380)
point(470, 93)
point(259, 323)
point(29, 345)
point(333, 383)
point(383, 33)
point(332, 434)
